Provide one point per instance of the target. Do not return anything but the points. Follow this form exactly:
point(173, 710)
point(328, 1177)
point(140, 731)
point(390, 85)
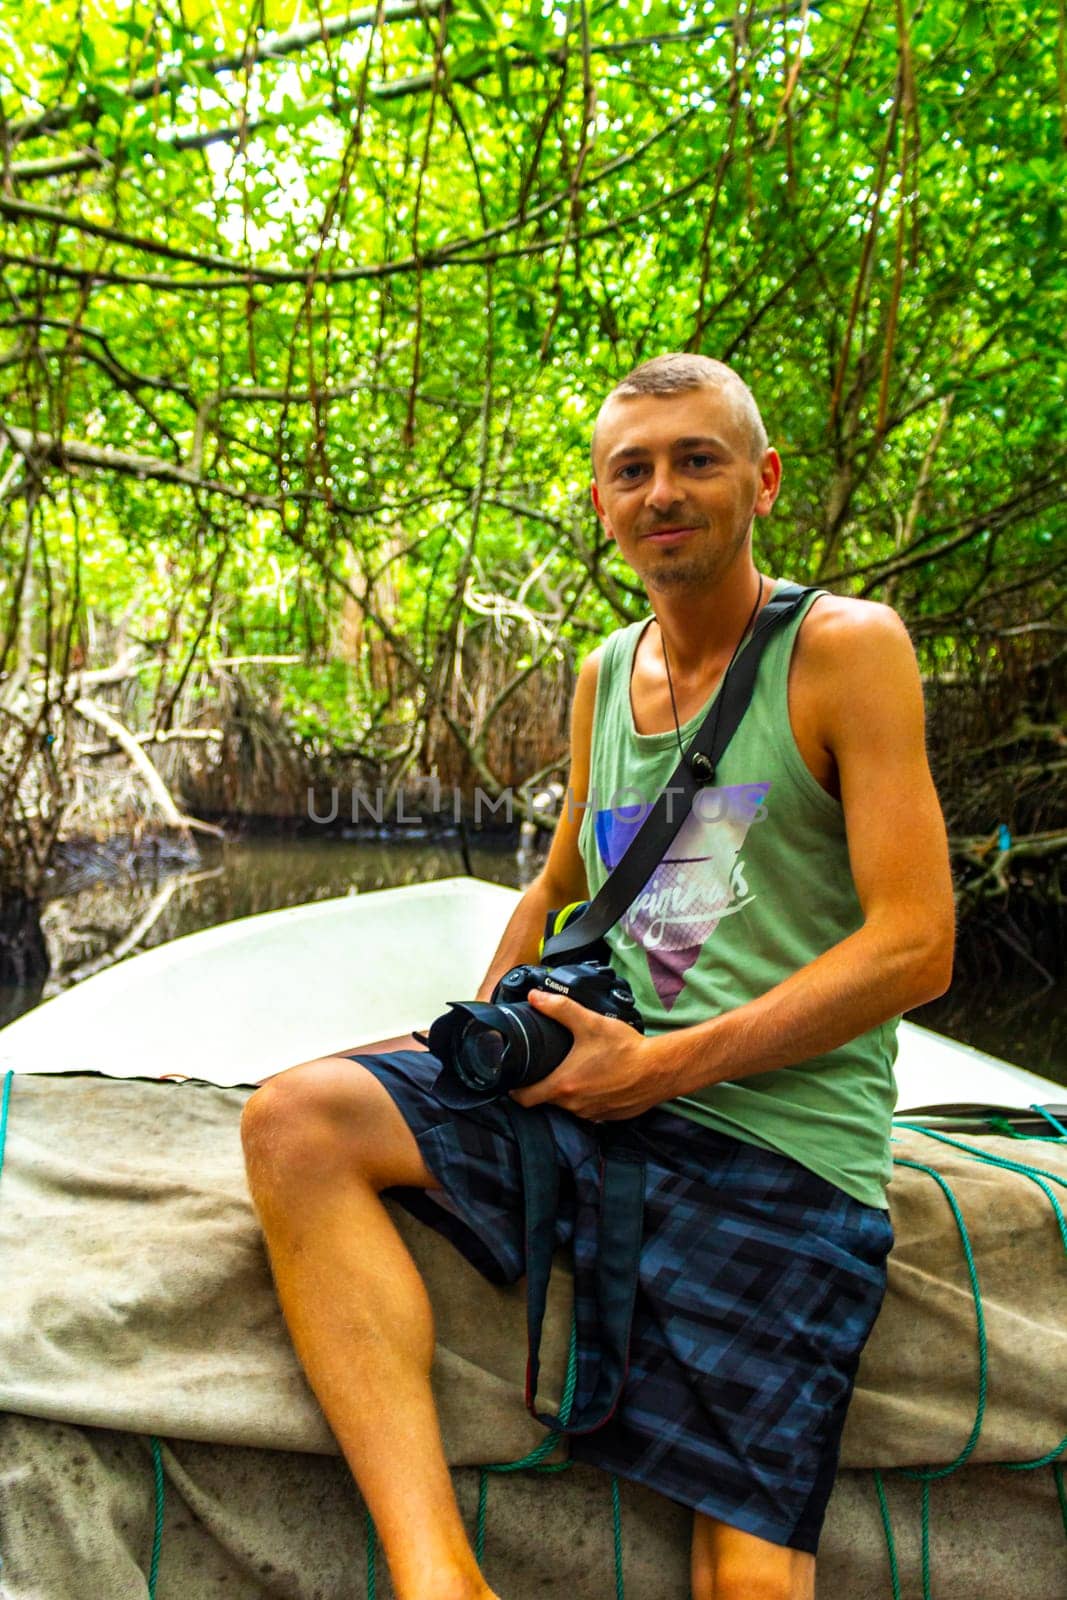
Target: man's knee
point(327, 1116)
point(297, 1114)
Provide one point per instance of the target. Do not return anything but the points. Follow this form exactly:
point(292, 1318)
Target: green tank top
point(755, 884)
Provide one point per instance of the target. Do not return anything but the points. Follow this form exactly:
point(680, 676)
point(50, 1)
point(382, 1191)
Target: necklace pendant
point(702, 768)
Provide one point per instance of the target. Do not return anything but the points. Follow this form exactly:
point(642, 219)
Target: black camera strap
point(603, 1306)
point(696, 770)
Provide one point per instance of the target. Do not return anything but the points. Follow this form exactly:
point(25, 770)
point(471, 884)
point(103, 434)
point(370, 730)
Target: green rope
point(3, 1115)
point(370, 1545)
point(1047, 1460)
point(926, 1538)
point(1006, 1129)
point(1057, 1477)
point(984, 1155)
point(887, 1528)
point(1043, 1111)
point(1057, 1208)
point(157, 1531)
point(483, 1500)
point(616, 1535)
point(534, 1459)
point(926, 1474)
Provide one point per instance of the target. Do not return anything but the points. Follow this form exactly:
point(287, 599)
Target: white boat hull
point(239, 1002)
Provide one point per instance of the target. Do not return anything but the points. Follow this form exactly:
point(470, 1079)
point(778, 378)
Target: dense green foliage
point(305, 320)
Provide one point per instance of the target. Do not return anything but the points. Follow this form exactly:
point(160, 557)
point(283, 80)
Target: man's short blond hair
point(679, 371)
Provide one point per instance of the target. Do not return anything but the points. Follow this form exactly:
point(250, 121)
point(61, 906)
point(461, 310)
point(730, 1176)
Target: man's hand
point(610, 1071)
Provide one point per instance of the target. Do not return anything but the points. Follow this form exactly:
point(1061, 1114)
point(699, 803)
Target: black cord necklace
point(701, 765)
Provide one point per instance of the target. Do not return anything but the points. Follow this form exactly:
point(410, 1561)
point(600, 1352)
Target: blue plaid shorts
point(758, 1288)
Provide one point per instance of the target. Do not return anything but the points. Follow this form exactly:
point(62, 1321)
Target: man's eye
point(630, 472)
point(699, 460)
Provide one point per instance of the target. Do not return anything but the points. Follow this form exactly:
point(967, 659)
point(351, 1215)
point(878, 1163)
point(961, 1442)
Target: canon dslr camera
point(489, 1048)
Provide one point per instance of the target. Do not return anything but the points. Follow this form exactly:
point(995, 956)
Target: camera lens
point(480, 1055)
point(487, 1050)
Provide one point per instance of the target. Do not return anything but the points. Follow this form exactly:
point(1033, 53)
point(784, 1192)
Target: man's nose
point(663, 490)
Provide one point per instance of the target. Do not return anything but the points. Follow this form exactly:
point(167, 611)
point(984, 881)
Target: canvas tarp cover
point(137, 1303)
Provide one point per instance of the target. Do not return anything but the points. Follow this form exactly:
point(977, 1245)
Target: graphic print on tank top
point(700, 880)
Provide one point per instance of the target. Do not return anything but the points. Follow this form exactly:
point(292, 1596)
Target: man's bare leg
point(321, 1142)
point(728, 1564)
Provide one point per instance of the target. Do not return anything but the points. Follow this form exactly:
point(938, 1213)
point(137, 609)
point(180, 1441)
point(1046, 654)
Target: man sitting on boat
point(804, 904)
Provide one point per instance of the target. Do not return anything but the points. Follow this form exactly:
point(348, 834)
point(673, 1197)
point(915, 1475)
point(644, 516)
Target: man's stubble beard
point(679, 575)
point(687, 571)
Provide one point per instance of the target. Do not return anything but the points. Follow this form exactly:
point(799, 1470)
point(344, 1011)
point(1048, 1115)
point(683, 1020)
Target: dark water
point(1020, 1017)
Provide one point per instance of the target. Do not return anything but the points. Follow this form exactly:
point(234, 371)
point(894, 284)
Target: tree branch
point(101, 717)
point(425, 261)
point(272, 48)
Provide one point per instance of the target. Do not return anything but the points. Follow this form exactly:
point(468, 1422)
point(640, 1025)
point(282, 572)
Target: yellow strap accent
point(562, 918)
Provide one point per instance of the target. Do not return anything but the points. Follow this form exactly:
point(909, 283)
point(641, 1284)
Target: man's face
point(675, 485)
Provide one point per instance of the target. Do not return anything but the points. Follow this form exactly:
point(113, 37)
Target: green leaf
point(974, 26)
point(483, 22)
point(131, 28)
point(469, 63)
point(111, 102)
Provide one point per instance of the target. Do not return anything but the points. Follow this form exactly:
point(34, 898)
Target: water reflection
point(105, 921)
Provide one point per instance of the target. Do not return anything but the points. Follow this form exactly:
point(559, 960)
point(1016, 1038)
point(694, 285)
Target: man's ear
point(598, 507)
point(770, 482)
